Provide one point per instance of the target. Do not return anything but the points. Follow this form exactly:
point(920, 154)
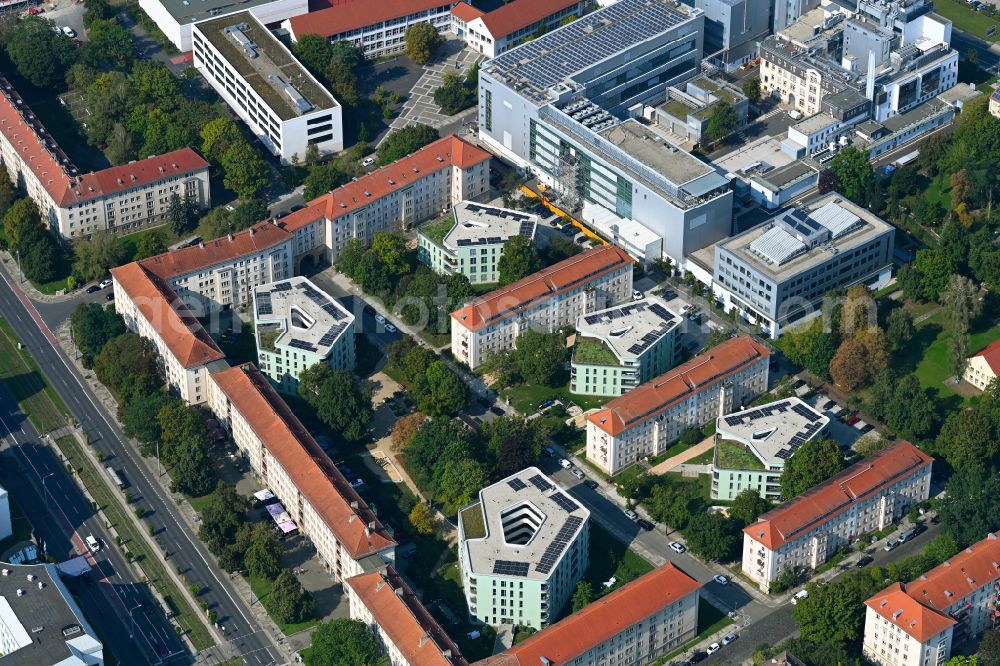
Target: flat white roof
point(478, 224)
point(630, 329)
point(773, 432)
point(306, 318)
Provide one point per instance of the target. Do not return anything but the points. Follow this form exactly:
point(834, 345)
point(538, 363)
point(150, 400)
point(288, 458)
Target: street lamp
point(20, 274)
point(45, 488)
point(131, 629)
point(159, 472)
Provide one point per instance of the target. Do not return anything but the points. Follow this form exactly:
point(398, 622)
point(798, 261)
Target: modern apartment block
point(638, 624)
point(554, 106)
point(470, 240)
point(346, 533)
point(297, 326)
point(644, 421)
point(753, 445)
point(260, 80)
point(120, 199)
point(620, 347)
point(410, 635)
point(377, 28)
point(917, 623)
point(779, 272)
point(866, 497)
point(176, 18)
point(522, 548)
point(415, 188)
point(492, 33)
point(549, 300)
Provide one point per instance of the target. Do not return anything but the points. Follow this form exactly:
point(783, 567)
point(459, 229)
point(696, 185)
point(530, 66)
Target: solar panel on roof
point(264, 303)
point(555, 549)
point(508, 568)
point(805, 412)
point(565, 503)
point(539, 482)
point(282, 286)
point(517, 484)
point(302, 344)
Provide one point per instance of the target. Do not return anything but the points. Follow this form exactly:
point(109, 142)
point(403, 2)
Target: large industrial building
point(522, 547)
point(259, 78)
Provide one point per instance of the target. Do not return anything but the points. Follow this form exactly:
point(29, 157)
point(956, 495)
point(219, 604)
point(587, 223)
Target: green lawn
point(25, 381)
point(939, 191)
point(526, 398)
point(445, 586)
point(261, 588)
point(702, 459)
point(593, 352)
point(129, 242)
point(735, 456)
point(966, 19)
point(472, 522)
point(438, 229)
point(610, 557)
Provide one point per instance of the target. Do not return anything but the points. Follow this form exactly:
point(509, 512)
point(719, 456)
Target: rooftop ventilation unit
point(236, 32)
point(298, 100)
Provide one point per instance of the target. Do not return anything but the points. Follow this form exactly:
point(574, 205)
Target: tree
point(460, 481)
point(314, 52)
point(288, 603)
point(392, 252)
point(747, 506)
point(969, 438)
point(971, 507)
point(194, 472)
point(219, 135)
point(900, 328)
point(518, 258)
point(246, 173)
point(96, 256)
point(108, 44)
point(911, 282)
point(858, 312)
point(962, 660)
point(540, 358)
point(583, 595)
point(344, 642)
point(902, 404)
point(876, 345)
point(722, 122)
point(514, 442)
point(123, 358)
point(849, 367)
point(150, 244)
point(834, 613)
point(41, 255)
point(138, 416)
point(405, 429)
point(809, 346)
point(21, 217)
point(404, 141)
point(989, 648)
point(8, 193)
point(752, 89)
point(223, 514)
point(422, 519)
point(871, 444)
point(960, 186)
point(454, 94)
point(422, 42)
point(854, 174)
point(341, 404)
point(95, 10)
point(180, 214)
point(343, 82)
point(446, 394)
point(92, 326)
point(559, 248)
point(324, 177)
point(935, 272)
point(713, 537)
point(262, 557)
point(40, 54)
point(815, 461)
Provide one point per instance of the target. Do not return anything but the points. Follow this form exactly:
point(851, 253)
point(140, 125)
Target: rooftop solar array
point(508, 568)
point(301, 344)
point(505, 213)
point(554, 550)
point(565, 502)
point(539, 482)
point(760, 412)
point(540, 64)
point(517, 484)
point(282, 286)
point(796, 231)
point(332, 334)
point(836, 219)
point(264, 303)
point(625, 312)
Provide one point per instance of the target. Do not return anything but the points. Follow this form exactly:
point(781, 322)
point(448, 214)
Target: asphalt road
point(186, 552)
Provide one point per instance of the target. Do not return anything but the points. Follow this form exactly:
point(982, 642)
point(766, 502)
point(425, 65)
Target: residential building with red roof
point(636, 624)
point(983, 366)
point(347, 535)
point(647, 419)
point(549, 300)
point(492, 33)
point(915, 623)
point(866, 497)
point(411, 636)
point(378, 28)
point(121, 199)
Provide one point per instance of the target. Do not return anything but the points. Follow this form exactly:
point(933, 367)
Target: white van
point(93, 543)
point(799, 596)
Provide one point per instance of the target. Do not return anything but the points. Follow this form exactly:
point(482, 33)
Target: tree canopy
point(404, 141)
point(343, 405)
point(344, 642)
point(519, 258)
point(93, 326)
point(422, 42)
point(815, 461)
point(41, 54)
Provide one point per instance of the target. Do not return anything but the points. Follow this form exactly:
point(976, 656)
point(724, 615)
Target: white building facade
point(176, 18)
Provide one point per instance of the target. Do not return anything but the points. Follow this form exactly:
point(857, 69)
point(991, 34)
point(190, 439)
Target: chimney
point(350, 519)
point(379, 585)
point(230, 236)
point(251, 232)
point(354, 505)
point(201, 244)
point(368, 531)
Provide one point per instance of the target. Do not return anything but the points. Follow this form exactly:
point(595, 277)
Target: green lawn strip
point(734, 456)
point(438, 229)
point(472, 522)
point(526, 398)
point(703, 458)
point(837, 558)
point(95, 481)
point(26, 382)
point(966, 19)
point(710, 621)
point(589, 351)
point(130, 242)
point(610, 557)
point(703, 482)
point(674, 450)
point(261, 588)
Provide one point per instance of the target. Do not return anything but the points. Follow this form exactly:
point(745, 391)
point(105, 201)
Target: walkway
point(670, 463)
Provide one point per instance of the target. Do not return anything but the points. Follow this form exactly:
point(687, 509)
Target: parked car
point(390, 328)
point(380, 319)
point(713, 648)
point(68, 31)
point(590, 483)
point(677, 547)
point(549, 451)
point(110, 297)
point(906, 536)
point(577, 472)
point(919, 528)
point(698, 656)
point(368, 161)
point(722, 580)
point(729, 638)
point(632, 515)
point(645, 524)
point(565, 464)
point(799, 596)
point(496, 410)
point(636, 295)
point(92, 288)
point(890, 545)
point(104, 284)
point(851, 420)
point(864, 561)
point(35, 11)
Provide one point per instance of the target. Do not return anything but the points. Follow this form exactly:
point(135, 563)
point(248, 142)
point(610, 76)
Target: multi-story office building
point(548, 300)
point(470, 240)
point(378, 28)
point(150, 309)
point(177, 17)
point(636, 624)
point(410, 635)
point(618, 348)
point(779, 272)
point(347, 535)
point(688, 107)
point(554, 106)
point(787, 12)
point(733, 28)
point(260, 79)
point(492, 33)
point(917, 623)
point(644, 421)
point(522, 548)
point(983, 366)
point(866, 497)
point(753, 445)
point(119, 199)
point(298, 326)
point(415, 188)
point(40, 621)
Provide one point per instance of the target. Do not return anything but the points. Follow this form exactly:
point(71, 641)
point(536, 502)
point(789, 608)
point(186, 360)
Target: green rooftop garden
point(436, 231)
point(731, 455)
point(677, 109)
point(472, 522)
point(268, 336)
point(589, 351)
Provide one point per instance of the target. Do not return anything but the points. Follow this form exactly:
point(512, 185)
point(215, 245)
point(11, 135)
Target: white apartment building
point(636, 624)
point(176, 18)
point(119, 199)
point(378, 28)
point(644, 421)
point(286, 459)
point(399, 195)
point(260, 79)
point(982, 367)
point(866, 497)
point(410, 635)
point(150, 309)
point(492, 33)
point(917, 623)
point(549, 300)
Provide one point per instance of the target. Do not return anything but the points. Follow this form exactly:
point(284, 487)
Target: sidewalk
point(675, 461)
point(10, 265)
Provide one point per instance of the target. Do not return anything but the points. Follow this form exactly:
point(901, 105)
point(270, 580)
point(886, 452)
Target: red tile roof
point(261, 236)
point(41, 156)
point(567, 274)
point(600, 620)
point(513, 16)
point(466, 12)
point(309, 468)
point(443, 153)
point(181, 331)
point(903, 611)
point(353, 15)
point(991, 353)
point(406, 622)
point(685, 380)
point(830, 498)
point(942, 586)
